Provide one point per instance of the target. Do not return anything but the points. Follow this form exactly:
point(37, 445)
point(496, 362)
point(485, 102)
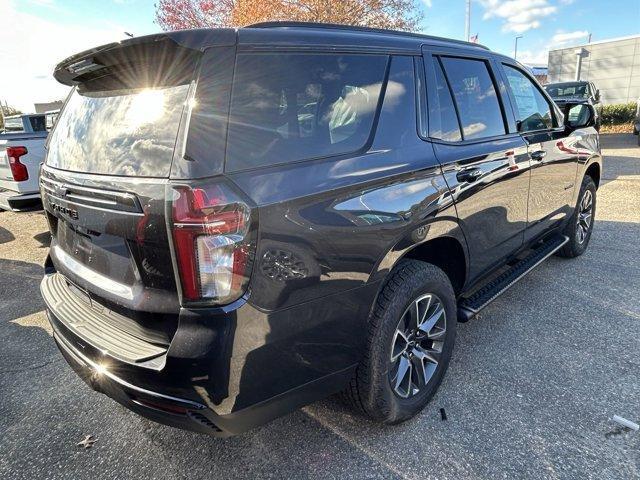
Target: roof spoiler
point(94, 62)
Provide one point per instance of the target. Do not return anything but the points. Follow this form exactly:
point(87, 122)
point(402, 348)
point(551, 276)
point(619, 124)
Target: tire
point(371, 390)
point(578, 234)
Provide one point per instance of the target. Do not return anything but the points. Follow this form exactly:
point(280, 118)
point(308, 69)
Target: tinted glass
point(444, 120)
point(130, 132)
point(475, 96)
point(397, 120)
point(534, 112)
point(38, 123)
point(289, 107)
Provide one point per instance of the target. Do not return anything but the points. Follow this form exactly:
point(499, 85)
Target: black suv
point(245, 221)
point(574, 93)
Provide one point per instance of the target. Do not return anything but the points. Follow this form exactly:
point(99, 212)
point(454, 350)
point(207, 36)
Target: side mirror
point(580, 115)
point(597, 95)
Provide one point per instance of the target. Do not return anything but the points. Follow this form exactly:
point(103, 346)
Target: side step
point(470, 306)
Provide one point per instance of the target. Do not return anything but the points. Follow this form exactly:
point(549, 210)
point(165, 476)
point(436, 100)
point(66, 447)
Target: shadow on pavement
point(20, 289)
point(620, 156)
point(44, 239)
point(6, 236)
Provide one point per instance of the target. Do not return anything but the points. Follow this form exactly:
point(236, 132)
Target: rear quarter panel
point(329, 232)
point(32, 160)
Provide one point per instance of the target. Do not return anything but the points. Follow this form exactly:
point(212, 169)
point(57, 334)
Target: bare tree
point(6, 111)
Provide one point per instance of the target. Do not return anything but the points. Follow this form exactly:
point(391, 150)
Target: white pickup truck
point(21, 153)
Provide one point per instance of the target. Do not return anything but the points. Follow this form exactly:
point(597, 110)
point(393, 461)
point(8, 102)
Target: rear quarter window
point(475, 96)
point(288, 107)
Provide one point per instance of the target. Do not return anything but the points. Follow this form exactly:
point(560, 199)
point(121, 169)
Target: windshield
point(121, 132)
point(573, 90)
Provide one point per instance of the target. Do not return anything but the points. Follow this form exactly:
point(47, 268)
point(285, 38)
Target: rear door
point(484, 160)
point(553, 154)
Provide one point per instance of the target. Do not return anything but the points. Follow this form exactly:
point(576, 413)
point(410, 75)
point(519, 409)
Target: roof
point(294, 35)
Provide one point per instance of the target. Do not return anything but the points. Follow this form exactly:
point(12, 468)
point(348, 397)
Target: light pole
point(515, 50)
point(467, 21)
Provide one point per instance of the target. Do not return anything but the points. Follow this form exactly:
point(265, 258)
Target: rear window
point(128, 132)
point(290, 107)
point(38, 123)
point(13, 125)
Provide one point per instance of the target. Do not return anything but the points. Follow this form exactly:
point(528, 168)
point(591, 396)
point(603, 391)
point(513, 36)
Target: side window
point(397, 121)
point(291, 106)
point(534, 112)
point(475, 96)
point(38, 124)
point(443, 118)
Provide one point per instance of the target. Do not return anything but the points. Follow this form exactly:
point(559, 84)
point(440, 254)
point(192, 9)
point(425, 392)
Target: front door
point(553, 156)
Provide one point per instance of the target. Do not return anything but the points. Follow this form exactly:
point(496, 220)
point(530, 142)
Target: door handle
point(538, 155)
point(469, 175)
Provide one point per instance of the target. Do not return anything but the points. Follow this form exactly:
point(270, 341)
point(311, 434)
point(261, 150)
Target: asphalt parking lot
point(529, 394)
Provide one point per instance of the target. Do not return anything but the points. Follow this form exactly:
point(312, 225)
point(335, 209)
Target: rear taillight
point(18, 170)
point(213, 243)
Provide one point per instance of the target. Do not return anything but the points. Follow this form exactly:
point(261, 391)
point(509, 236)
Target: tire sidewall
point(577, 247)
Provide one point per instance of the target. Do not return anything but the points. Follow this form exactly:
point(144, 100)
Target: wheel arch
point(440, 243)
point(594, 170)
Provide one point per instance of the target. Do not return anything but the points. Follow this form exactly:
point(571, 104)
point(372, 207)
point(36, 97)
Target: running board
point(468, 307)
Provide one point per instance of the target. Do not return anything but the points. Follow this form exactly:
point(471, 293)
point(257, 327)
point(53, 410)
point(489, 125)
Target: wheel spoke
point(400, 343)
point(437, 333)
point(413, 313)
point(586, 201)
point(580, 233)
point(403, 377)
point(430, 323)
point(418, 360)
point(426, 362)
point(430, 354)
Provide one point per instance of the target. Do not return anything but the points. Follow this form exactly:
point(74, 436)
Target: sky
point(43, 32)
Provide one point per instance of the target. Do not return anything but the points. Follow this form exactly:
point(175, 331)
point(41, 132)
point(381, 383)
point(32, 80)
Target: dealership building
point(612, 65)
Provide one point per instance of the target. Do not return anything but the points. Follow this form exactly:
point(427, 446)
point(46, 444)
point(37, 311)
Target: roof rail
point(336, 26)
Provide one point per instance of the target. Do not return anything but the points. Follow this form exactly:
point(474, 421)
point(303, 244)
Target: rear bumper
point(18, 201)
point(189, 415)
point(165, 409)
point(212, 379)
